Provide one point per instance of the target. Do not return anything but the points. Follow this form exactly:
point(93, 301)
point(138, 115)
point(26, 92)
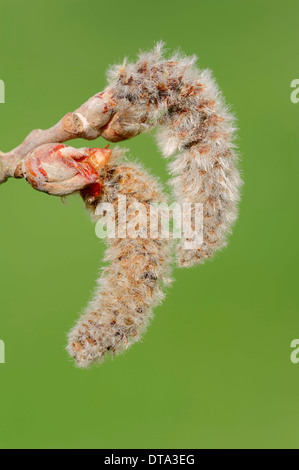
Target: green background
point(214, 368)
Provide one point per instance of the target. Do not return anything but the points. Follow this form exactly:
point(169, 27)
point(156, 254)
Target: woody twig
point(87, 122)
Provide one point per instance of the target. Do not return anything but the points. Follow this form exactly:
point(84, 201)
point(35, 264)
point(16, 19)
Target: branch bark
point(87, 122)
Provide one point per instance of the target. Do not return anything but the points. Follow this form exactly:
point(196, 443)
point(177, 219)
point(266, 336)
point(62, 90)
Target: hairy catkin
point(133, 283)
point(193, 125)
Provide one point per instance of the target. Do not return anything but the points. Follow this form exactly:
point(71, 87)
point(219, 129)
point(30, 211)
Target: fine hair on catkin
point(132, 285)
point(194, 126)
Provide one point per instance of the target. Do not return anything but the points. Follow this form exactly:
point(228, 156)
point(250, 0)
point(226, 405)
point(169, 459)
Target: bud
point(60, 170)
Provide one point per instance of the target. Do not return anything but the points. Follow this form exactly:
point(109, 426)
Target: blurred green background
point(214, 368)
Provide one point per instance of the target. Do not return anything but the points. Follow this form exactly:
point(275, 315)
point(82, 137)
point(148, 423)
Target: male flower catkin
point(132, 285)
point(194, 125)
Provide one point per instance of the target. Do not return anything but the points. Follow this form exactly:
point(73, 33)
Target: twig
point(86, 122)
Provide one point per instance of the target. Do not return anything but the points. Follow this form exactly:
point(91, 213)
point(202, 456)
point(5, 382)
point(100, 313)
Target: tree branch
point(86, 122)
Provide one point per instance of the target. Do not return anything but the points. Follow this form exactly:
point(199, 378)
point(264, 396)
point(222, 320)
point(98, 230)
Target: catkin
point(193, 125)
point(133, 283)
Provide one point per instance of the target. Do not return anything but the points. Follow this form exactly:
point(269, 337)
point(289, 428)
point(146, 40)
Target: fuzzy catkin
point(133, 283)
point(194, 125)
